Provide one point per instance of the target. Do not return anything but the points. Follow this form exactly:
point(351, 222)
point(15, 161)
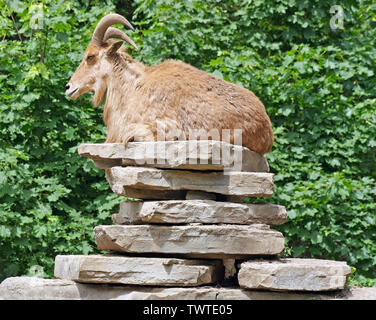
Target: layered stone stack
point(190, 227)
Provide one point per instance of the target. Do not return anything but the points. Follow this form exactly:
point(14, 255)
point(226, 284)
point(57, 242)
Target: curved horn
point(104, 23)
point(118, 34)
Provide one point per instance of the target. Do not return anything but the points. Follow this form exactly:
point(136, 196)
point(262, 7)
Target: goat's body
point(169, 101)
point(180, 99)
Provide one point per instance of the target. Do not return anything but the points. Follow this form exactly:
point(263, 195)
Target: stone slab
point(120, 269)
point(205, 241)
point(200, 211)
point(252, 184)
point(128, 213)
point(32, 288)
point(294, 274)
point(192, 155)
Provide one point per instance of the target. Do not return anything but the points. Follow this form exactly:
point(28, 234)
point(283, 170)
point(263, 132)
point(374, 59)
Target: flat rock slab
point(119, 269)
point(205, 241)
point(252, 184)
point(32, 288)
point(199, 211)
point(294, 274)
point(192, 155)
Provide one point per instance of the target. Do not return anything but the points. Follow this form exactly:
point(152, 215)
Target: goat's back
point(200, 100)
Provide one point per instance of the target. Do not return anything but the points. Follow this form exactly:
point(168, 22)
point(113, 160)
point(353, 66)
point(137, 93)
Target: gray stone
point(254, 184)
point(192, 155)
point(30, 288)
point(120, 269)
point(209, 241)
point(200, 211)
point(33, 288)
point(230, 268)
point(294, 274)
point(128, 213)
point(200, 195)
point(105, 164)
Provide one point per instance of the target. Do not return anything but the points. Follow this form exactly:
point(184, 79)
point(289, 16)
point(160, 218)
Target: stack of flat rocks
point(185, 224)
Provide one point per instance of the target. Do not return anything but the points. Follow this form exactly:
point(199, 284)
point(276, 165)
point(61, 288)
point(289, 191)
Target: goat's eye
point(90, 58)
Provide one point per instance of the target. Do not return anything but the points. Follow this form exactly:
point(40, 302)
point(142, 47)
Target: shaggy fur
point(172, 96)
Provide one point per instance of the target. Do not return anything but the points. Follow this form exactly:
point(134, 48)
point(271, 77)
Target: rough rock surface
point(32, 288)
point(120, 269)
point(128, 213)
point(294, 274)
point(199, 211)
point(252, 184)
point(192, 154)
point(209, 241)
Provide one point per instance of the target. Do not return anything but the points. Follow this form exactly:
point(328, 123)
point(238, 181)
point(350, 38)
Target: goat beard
point(98, 96)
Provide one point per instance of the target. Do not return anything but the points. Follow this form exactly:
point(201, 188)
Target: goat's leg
point(138, 133)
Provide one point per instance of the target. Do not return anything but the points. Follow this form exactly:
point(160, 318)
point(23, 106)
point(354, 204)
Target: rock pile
point(189, 226)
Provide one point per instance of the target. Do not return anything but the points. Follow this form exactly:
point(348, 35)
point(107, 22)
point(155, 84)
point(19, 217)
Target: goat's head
point(92, 73)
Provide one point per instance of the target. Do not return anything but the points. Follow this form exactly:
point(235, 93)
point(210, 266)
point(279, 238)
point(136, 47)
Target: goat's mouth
point(71, 93)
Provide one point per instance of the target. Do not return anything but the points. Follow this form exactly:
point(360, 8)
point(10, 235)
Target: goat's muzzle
point(69, 92)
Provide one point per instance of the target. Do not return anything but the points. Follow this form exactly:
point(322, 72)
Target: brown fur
point(172, 94)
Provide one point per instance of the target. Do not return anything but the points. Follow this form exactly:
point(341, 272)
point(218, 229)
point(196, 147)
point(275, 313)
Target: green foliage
point(317, 85)
point(50, 197)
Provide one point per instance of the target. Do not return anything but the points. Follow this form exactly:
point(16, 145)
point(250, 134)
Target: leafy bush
point(316, 83)
point(51, 198)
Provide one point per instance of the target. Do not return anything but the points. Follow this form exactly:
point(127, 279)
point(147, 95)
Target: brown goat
point(173, 96)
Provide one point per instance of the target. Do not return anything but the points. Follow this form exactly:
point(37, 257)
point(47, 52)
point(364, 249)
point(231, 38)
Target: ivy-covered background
point(317, 84)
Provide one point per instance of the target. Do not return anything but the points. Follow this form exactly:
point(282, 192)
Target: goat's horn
point(104, 23)
point(118, 34)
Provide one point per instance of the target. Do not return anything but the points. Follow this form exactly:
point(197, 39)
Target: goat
point(173, 95)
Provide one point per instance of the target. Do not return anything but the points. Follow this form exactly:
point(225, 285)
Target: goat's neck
point(123, 79)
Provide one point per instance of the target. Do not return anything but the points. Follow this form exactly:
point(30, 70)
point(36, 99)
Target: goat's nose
point(67, 86)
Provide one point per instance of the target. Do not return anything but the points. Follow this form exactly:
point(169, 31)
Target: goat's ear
point(114, 47)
